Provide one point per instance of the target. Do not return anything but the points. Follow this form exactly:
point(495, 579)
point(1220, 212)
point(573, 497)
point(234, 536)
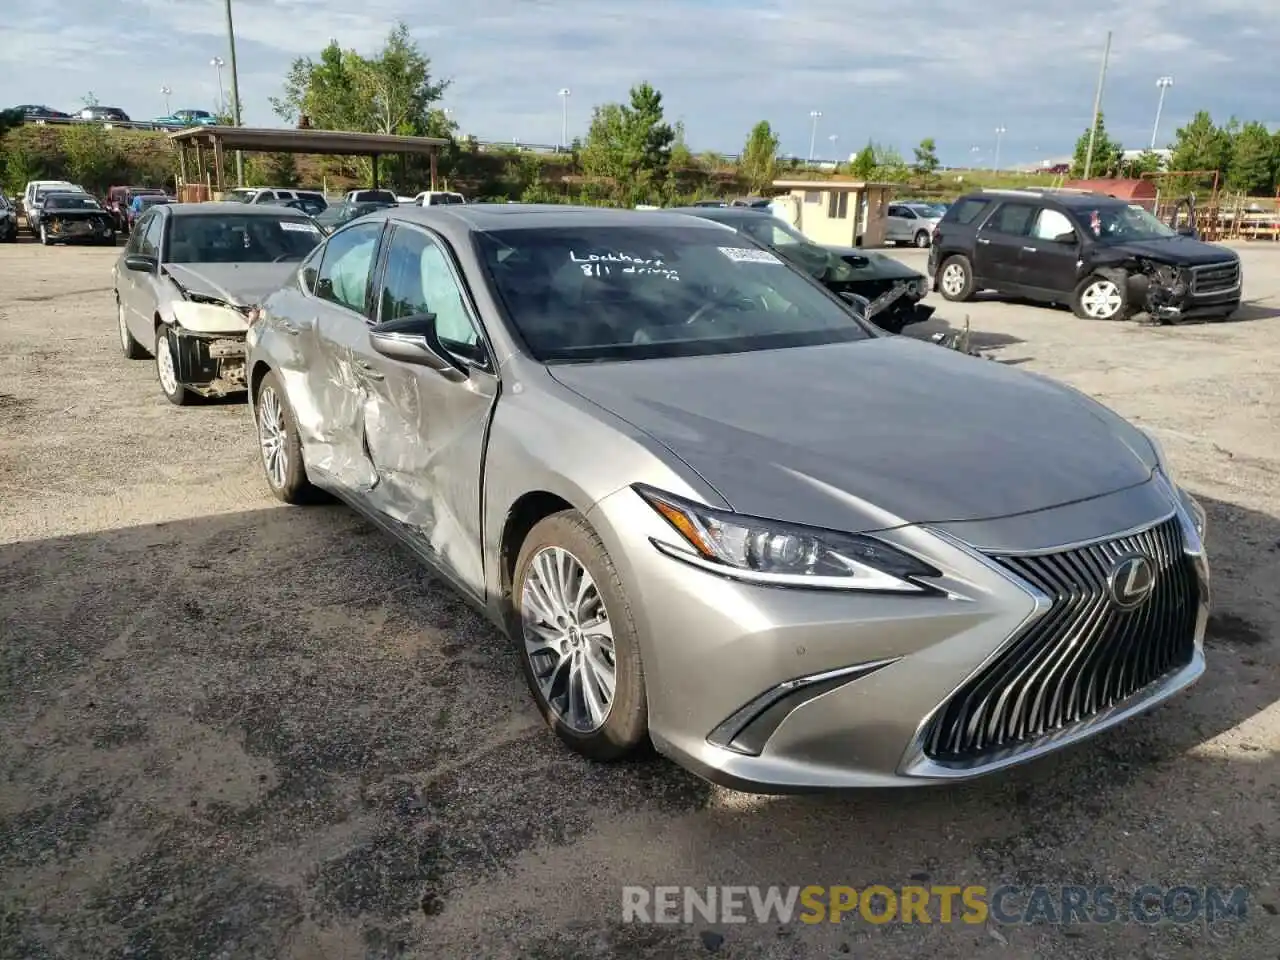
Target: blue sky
point(892, 70)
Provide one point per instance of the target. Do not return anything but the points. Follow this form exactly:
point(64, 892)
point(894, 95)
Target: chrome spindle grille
point(1083, 655)
point(1215, 277)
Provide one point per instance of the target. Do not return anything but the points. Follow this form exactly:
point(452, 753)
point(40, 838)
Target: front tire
point(44, 235)
point(167, 369)
point(578, 644)
point(1099, 298)
point(280, 445)
point(922, 238)
point(130, 347)
point(955, 279)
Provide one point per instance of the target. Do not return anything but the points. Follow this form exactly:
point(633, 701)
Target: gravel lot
point(232, 729)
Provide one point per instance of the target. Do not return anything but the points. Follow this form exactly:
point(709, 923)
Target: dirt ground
point(230, 729)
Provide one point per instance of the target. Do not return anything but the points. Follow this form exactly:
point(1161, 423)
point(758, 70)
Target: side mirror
point(136, 261)
point(1187, 232)
point(1066, 239)
point(858, 302)
point(413, 340)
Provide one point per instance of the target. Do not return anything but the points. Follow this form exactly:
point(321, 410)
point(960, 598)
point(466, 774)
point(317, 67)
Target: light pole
point(995, 163)
point(564, 95)
point(1097, 107)
point(1164, 83)
point(815, 116)
point(218, 63)
point(166, 90)
point(235, 91)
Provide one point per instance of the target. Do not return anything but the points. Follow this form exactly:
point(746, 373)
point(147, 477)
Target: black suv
point(1107, 258)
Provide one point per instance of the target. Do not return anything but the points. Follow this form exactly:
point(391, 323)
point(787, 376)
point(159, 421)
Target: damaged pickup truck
point(188, 283)
point(1105, 258)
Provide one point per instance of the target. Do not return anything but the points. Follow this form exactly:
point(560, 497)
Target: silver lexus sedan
point(716, 510)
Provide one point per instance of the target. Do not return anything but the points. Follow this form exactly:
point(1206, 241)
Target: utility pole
point(1000, 132)
point(1097, 107)
point(235, 93)
point(1164, 83)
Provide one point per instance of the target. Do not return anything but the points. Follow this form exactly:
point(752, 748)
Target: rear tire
point(563, 655)
point(955, 279)
point(922, 238)
point(279, 444)
point(130, 347)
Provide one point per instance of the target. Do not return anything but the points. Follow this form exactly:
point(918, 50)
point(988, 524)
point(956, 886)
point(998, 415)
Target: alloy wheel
point(922, 239)
point(953, 279)
point(568, 639)
point(271, 437)
point(1101, 300)
point(164, 365)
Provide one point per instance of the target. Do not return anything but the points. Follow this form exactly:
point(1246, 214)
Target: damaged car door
point(337, 376)
point(426, 410)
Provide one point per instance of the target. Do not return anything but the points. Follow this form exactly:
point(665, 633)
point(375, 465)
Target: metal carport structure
point(334, 143)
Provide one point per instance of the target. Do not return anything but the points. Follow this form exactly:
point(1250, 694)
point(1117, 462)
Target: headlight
point(783, 554)
point(1188, 502)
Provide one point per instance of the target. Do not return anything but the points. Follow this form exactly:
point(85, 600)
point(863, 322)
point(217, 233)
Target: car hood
point(879, 266)
point(239, 284)
point(872, 434)
point(1182, 251)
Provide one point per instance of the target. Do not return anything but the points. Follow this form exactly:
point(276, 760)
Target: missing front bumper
point(212, 365)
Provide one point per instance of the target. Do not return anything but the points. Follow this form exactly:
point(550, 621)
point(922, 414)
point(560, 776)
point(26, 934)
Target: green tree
point(1252, 168)
point(630, 143)
point(323, 91)
point(759, 162)
point(1201, 145)
point(1146, 162)
point(394, 89)
point(92, 156)
point(864, 164)
point(681, 155)
point(1107, 153)
point(926, 164)
point(20, 166)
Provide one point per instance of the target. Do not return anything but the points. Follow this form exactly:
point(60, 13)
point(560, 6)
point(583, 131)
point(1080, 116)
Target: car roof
point(1066, 197)
point(483, 217)
point(218, 206)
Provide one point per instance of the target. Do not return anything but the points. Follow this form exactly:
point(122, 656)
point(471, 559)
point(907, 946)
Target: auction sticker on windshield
point(296, 227)
point(747, 255)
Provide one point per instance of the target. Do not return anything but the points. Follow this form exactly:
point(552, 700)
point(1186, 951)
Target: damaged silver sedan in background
point(188, 282)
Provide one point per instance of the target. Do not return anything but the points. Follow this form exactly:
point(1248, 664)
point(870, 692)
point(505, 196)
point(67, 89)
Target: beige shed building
point(836, 212)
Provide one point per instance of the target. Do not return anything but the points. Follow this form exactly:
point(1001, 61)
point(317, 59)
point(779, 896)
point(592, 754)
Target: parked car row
point(101, 114)
point(713, 507)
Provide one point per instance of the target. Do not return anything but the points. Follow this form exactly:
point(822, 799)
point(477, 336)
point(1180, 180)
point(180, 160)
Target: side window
point(139, 234)
point(309, 268)
point(966, 211)
point(1052, 225)
point(1012, 219)
point(343, 277)
point(149, 245)
point(419, 279)
point(906, 213)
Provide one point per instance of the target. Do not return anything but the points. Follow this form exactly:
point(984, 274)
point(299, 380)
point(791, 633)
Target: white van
point(435, 198)
point(36, 187)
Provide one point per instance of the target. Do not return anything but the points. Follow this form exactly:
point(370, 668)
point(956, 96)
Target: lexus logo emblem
point(1131, 581)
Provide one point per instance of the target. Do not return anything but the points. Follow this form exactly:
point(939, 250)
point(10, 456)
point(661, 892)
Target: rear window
point(966, 211)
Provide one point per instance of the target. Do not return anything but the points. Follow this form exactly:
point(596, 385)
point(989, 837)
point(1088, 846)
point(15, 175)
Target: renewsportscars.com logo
point(944, 904)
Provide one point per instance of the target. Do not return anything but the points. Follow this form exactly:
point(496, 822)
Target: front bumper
point(774, 690)
point(79, 231)
point(1210, 291)
point(210, 364)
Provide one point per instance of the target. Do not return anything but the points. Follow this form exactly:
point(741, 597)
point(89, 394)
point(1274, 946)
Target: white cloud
point(892, 70)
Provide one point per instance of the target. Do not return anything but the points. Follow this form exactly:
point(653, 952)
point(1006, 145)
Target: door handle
point(981, 240)
point(1029, 249)
point(369, 370)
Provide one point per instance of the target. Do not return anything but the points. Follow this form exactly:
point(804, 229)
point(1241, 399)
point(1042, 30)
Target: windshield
point(619, 293)
point(238, 196)
point(1120, 223)
point(234, 238)
point(824, 265)
point(70, 201)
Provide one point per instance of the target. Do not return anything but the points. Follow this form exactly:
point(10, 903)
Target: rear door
point(426, 434)
point(1050, 257)
point(998, 250)
point(138, 290)
point(898, 223)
